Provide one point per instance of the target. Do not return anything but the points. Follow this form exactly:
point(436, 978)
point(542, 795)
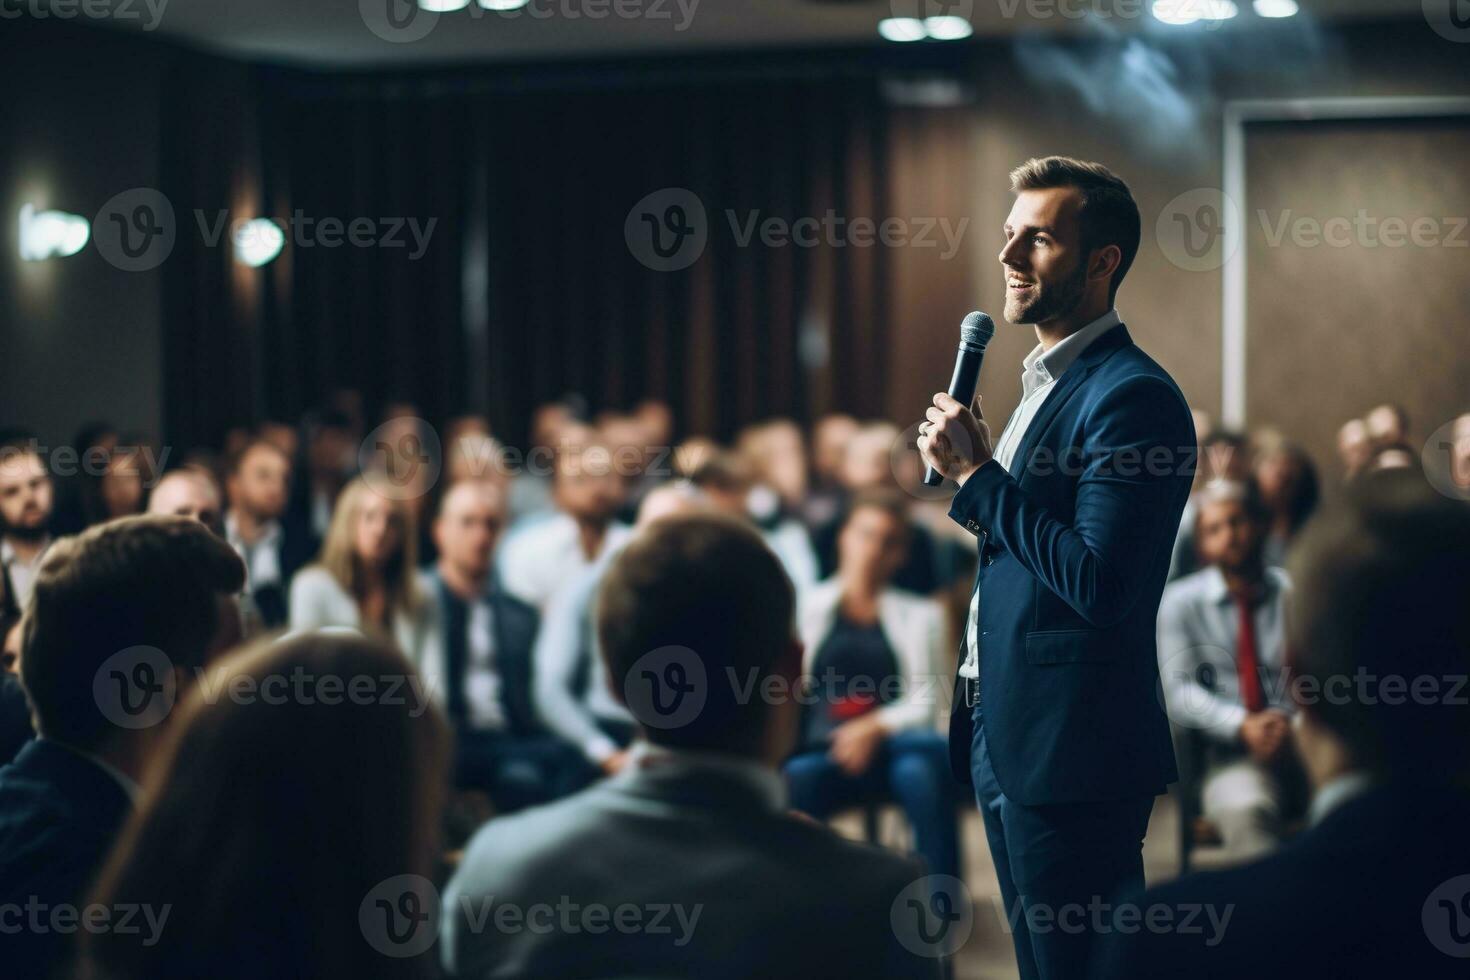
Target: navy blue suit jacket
point(1074, 550)
point(1377, 889)
point(59, 815)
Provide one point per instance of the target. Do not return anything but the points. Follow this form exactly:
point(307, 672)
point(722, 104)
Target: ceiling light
point(1276, 8)
point(257, 241)
point(503, 4)
point(47, 233)
point(443, 6)
point(948, 28)
point(902, 29)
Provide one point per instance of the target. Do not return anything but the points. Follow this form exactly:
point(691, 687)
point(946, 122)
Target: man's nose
point(1011, 254)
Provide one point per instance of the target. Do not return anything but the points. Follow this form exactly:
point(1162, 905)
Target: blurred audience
point(366, 579)
point(1289, 490)
point(269, 822)
point(695, 821)
point(874, 660)
point(330, 461)
point(486, 676)
point(1354, 447)
point(189, 491)
point(1388, 424)
point(1378, 650)
point(728, 481)
point(1222, 652)
point(143, 602)
point(25, 516)
point(258, 489)
point(587, 490)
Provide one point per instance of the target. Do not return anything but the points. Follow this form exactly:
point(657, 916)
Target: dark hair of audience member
point(1379, 592)
point(269, 819)
point(161, 582)
point(709, 585)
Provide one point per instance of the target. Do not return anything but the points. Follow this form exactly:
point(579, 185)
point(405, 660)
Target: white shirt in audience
point(482, 680)
point(537, 561)
point(262, 557)
point(22, 574)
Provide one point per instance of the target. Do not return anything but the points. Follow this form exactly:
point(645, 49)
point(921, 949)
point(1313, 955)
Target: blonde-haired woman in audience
point(280, 829)
point(365, 578)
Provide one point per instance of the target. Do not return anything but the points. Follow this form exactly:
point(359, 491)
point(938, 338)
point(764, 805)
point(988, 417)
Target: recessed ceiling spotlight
point(443, 6)
point(948, 28)
point(44, 234)
point(902, 29)
point(257, 241)
point(503, 4)
point(1276, 8)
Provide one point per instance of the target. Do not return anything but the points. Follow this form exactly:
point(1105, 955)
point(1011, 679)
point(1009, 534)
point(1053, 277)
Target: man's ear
point(1104, 262)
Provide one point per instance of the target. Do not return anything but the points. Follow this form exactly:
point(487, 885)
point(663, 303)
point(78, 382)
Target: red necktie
point(1247, 666)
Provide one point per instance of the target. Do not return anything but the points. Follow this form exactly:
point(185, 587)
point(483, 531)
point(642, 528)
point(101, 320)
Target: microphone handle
point(961, 389)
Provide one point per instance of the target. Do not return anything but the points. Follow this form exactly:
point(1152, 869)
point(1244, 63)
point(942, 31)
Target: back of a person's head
point(146, 581)
point(704, 593)
point(1380, 631)
point(300, 775)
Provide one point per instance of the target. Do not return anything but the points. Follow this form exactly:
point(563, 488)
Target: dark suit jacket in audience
point(15, 718)
point(59, 815)
point(514, 624)
point(1348, 898)
point(298, 548)
point(762, 893)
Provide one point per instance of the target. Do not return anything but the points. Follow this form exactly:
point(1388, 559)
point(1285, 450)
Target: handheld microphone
point(975, 333)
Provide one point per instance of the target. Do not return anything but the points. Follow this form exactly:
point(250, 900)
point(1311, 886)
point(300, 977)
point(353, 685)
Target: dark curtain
point(527, 290)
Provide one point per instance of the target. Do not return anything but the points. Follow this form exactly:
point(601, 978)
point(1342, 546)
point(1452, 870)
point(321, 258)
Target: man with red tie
point(1222, 643)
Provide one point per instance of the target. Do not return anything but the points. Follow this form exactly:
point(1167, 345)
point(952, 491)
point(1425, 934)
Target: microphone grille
point(977, 329)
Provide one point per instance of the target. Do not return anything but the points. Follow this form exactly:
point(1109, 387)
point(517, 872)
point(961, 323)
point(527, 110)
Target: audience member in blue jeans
point(872, 655)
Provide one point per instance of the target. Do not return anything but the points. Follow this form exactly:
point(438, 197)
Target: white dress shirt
point(22, 574)
point(1199, 628)
point(482, 681)
point(1039, 373)
point(262, 557)
point(539, 560)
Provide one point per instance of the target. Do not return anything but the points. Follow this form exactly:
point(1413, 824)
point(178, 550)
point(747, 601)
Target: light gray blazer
point(746, 890)
point(318, 600)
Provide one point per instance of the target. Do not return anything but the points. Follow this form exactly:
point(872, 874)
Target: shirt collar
point(1052, 364)
point(1218, 592)
point(762, 779)
point(8, 554)
point(232, 532)
point(1335, 793)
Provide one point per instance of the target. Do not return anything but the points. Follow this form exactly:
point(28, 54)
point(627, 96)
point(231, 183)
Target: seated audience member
point(1388, 425)
point(1354, 448)
point(867, 464)
point(728, 481)
point(1375, 887)
point(1288, 483)
point(1392, 456)
point(123, 484)
point(531, 488)
point(572, 694)
point(1223, 455)
point(25, 516)
point(1221, 652)
point(272, 828)
point(825, 497)
point(873, 660)
point(152, 582)
point(588, 491)
point(78, 498)
point(695, 821)
point(366, 579)
point(258, 487)
point(188, 492)
point(500, 746)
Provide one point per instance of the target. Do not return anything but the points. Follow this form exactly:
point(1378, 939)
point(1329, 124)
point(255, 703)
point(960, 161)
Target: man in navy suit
point(120, 618)
point(1057, 718)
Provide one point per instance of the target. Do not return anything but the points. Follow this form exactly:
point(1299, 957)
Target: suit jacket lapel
point(1070, 381)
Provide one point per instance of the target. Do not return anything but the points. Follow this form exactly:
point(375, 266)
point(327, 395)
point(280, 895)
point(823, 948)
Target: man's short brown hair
point(1380, 585)
point(710, 585)
point(1108, 215)
point(137, 581)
